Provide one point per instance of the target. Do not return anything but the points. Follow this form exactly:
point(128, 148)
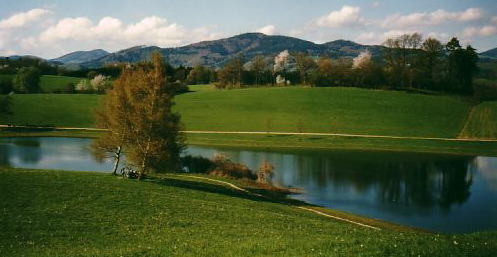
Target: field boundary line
point(298, 207)
point(339, 135)
point(279, 134)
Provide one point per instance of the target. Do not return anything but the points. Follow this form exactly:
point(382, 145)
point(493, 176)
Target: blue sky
point(50, 28)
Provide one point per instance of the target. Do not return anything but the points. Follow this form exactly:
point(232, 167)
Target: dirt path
point(298, 207)
point(283, 134)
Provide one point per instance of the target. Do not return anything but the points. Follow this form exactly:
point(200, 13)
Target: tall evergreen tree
point(461, 67)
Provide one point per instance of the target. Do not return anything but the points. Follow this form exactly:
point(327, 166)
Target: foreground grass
point(52, 213)
point(482, 122)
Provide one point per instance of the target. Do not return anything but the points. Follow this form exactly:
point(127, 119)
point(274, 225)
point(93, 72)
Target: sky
point(52, 28)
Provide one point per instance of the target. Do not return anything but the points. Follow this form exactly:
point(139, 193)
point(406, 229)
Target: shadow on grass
point(265, 195)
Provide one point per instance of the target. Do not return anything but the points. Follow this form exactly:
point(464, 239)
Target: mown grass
point(53, 109)
point(328, 110)
point(482, 122)
point(52, 213)
point(48, 83)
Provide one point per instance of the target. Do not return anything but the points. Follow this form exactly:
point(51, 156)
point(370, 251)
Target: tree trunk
point(116, 161)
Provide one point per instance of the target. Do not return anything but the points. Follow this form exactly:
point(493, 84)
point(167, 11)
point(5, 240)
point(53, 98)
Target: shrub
point(265, 173)
point(69, 88)
point(196, 164)
point(225, 167)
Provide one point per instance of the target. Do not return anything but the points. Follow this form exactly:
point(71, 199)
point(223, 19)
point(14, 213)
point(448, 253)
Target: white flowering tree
point(362, 60)
point(100, 83)
point(83, 86)
point(281, 62)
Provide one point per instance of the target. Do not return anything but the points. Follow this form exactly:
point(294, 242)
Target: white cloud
point(378, 38)
point(268, 30)
point(480, 32)
point(347, 16)
point(70, 34)
point(376, 4)
point(22, 19)
point(424, 19)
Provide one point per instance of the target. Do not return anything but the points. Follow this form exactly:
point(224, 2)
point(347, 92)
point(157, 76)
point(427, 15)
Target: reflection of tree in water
point(420, 183)
point(427, 184)
point(4, 155)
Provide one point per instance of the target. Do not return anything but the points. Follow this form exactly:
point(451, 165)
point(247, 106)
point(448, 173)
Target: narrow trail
point(277, 134)
point(298, 207)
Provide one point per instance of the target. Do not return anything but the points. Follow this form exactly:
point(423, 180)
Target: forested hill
point(216, 53)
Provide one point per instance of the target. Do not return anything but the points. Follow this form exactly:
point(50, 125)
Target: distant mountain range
point(81, 56)
point(492, 54)
point(217, 52)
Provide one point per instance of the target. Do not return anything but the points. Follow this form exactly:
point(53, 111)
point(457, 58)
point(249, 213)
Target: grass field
point(53, 109)
point(328, 110)
point(51, 213)
point(48, 83)
point(482, 122)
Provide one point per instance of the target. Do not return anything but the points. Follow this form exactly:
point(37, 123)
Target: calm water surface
point(437, 192)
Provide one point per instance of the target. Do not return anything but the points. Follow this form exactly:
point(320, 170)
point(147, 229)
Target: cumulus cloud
point(268, 30)
point(347, 16)
point(22, 19)
point(377, 38)
point(480, 32)
point(70, 34)
point(435, 18)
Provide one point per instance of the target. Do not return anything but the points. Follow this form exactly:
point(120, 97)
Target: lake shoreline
point(303, 142)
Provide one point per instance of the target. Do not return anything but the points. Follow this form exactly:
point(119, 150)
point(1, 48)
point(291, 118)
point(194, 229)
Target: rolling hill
point(216, 53)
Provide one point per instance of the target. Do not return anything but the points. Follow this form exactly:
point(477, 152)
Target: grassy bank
point(51, 213)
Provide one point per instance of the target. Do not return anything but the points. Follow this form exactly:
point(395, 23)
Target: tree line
point(407, 63)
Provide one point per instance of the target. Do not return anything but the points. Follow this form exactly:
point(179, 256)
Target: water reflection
point(49, 153)
point(425, 190)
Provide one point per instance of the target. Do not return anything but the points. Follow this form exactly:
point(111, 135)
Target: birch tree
point(138, 113)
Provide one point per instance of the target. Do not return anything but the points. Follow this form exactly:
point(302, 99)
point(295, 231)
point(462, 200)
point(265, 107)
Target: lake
point(445, 193)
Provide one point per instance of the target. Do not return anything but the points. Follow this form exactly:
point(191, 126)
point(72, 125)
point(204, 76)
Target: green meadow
point(48, 83)
point(298, 109)
point(52, 213)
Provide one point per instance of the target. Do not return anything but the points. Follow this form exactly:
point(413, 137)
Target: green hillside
point(52, 109)
point(51, 213)
point(327, 110)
